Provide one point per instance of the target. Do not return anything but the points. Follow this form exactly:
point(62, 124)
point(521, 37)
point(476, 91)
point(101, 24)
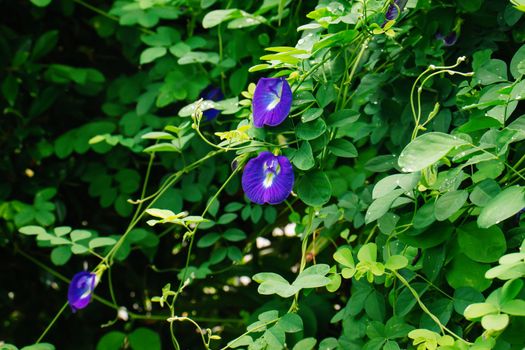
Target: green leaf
point(111, 341)
point(406, 301)
point(314, 188)
point(481, 245)
point(162, 147)
point(518, 57)
point(226, 218)
point(342, 148)
point(507, 203)
point(234, 235)
point(425, 216)
point(344, 256)
point(464, 272)
point(45, 44)
point(158, 135)
point(514, 307)
point(44, 218)
point(329, 344)
point(40, 3)
point(492, 72)
point(303, 158)
point(216, 17)
point(342, 118)
point(267, 316)
point(484, 192)
point(449, 203)
point(151, 54)
point(380, 206)
point(391, 345)
point(62, 230)
point(144, 338)
point(387, 184)
point(246, 20)
point(312, 277)
point(78, 235)
point(272, 283)
point(335, 282)
point(101, 242)
point(341, 38)
point(470, 5)
point(495, 322)
point(291, 323)
point(60, 255)
point(479, 309)
point(367, 253)
point(396, 262)
point(79, 249)
point(10, 88)
point(242, 341)
point(465, 296)
point(426, 150)
point(234, 254)
point(32, 230)
point(238, 80)
point(311, 114)
point(275, 337)
point(396, 328)
point(310, 130)
point(305, 344)
point(40, 346)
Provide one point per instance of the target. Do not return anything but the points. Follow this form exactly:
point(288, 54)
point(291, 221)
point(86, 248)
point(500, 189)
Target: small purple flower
point(393, 11)
point(449, 39)
point(214, 94)
point(81, 289)
point(268, 178)
point(272, 101)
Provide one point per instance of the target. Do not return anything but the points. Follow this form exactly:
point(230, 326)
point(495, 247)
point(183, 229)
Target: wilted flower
point(214, 94)
point(237, 135)
point(268, 178)
point(272, 101)
point(81, 289)
point(449, 39)
point(393, 10)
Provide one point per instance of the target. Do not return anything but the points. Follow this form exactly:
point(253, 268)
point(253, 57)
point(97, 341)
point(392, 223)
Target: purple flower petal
point(268, 178)
point(448, 40)
point(80, 290)
point(272, 101)
point(214, 94)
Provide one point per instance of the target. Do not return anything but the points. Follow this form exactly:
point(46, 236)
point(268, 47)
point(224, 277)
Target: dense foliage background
point(406, 136)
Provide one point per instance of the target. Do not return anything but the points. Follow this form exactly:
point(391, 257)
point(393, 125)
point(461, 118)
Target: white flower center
point(271, 170)
point(277, 93)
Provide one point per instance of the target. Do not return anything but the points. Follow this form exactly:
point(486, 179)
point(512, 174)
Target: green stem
point(262, 326)
point(52, 323)
point(107, 15)
point(425, 309)
point(192, 234)
point(201, 331)
point(304, 247)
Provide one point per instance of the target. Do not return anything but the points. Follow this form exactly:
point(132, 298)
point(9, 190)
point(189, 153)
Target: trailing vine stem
point(107, 260)
point(183, 282)
point(423, 307)
point(416, 112)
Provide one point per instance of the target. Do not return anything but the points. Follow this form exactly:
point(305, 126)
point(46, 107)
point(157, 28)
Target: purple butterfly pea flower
point(214, 94)
point(272, 101)
point(268, 178)
point(449, 39)
point(81, 289)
